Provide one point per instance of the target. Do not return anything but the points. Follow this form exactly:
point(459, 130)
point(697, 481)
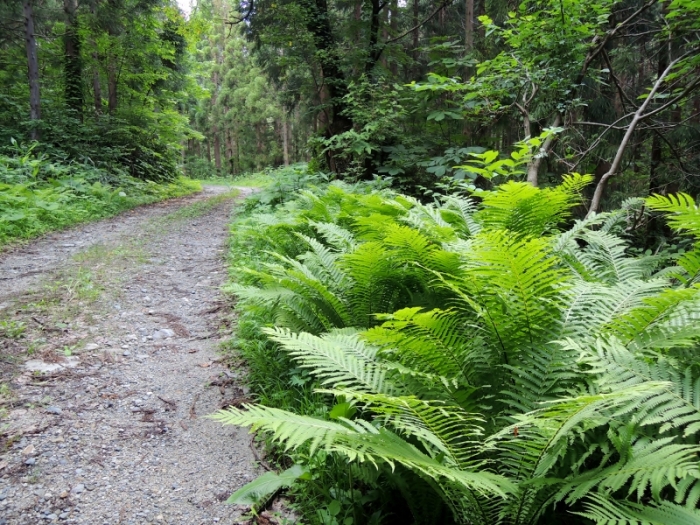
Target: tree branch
point(443, 5)
point(638, 116)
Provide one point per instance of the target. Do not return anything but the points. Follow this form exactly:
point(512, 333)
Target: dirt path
point(123, 315)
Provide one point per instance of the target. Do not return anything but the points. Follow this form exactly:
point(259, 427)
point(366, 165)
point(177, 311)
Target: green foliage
point(259, 490)
point(37, 195)
point(525, 368)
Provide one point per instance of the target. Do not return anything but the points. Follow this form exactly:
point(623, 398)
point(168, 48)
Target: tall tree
point(32, 67)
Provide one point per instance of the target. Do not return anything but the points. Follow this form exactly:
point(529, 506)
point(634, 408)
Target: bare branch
point(638, 116)
point(442, 6)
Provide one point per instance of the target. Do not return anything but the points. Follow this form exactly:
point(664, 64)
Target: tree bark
point(285, 139)
point(533, 167)
point(469, 26)
point(394, 24)
point(72, 63)
point(217, 148)
point(416, 36)
point(96, 87)
point(112, 85)
point(32, 68)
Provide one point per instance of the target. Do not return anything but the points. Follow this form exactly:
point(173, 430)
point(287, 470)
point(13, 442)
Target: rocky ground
point(109, 336)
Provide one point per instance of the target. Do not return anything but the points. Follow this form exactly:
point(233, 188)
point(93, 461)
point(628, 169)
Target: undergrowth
point(38, 195)
point(483, 360)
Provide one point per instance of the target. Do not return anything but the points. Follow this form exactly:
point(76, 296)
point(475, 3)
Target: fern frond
point(459, 212)
point(518, 283)
point(343, 361)
point(675, 406)
point(665, 320)
point(604, 510)
point(606, 257)
point(684, 213)
point(645, 465)
point(446, 431)
point(341, 239)
point(524, 209)
point(358, 441)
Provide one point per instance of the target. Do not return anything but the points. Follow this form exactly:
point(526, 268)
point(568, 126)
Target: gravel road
point(109, 351)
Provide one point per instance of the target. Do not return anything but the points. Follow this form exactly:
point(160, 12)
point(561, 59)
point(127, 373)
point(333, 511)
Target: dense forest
point(470, 290)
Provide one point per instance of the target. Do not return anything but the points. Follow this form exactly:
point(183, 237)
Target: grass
point(199, 209)
point(259, 179)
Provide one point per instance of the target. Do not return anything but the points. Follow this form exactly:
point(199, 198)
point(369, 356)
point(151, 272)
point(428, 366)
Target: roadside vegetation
point(38, 195)
point(483, 358)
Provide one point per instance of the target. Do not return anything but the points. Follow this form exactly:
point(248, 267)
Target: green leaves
point(259, 490)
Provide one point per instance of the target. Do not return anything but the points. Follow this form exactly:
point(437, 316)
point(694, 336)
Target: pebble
point(108, 457)
point(30, 461)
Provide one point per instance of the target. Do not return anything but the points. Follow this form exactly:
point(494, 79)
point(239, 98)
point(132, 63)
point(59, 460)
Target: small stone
point(30, 461)
point(63, 495)
point(63, 515)
point(91, 346)
point(28, 451)
point(78, 488)
point(54, 410)
point(126, 353)
point(51, 517)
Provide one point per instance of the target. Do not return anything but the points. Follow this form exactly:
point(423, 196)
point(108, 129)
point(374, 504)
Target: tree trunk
point(217, 148)
point(112, 85)
point(469, 26)
point(32, 68)
point(285, 139)
point(394, 24)
point(533, 167)
point(96, 88)
point(72, 63)
point(416, 36)
point(229, 153)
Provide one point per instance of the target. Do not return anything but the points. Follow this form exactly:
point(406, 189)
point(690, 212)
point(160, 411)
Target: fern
point(524, 374)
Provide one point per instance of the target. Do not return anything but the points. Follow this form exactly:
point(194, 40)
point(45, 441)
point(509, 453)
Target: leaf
point(257, 490)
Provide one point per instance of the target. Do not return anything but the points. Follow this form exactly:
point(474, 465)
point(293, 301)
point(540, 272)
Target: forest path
point(124, 316)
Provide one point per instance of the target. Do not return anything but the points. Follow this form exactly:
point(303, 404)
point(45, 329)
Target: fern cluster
point(527, 372)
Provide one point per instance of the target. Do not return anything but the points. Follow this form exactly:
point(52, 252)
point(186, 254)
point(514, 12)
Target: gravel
point(122, 438)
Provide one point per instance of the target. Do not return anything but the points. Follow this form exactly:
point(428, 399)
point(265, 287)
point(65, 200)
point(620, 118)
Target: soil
point(110, 336)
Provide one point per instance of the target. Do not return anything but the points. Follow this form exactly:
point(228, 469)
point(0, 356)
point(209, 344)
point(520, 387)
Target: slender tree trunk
point(72, 63)
point(285, 139)
point(217, 148)
point(534, 167)
point(416, 37)
point(112, 85)
point(617, 161)
point(32, 68)
point(229, 152)
point(469, 26)
point(96, 88)
point(394, 24)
